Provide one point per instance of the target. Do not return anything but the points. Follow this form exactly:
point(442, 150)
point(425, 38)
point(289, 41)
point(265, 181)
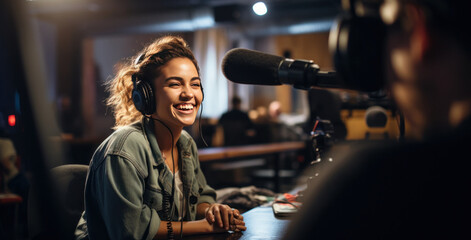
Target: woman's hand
point(225, 217)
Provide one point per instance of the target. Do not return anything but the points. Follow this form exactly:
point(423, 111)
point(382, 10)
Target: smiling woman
point(146, 176)
point(178, 93)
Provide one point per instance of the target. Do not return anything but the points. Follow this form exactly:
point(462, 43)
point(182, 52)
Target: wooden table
point(218, 153)
point(238, 152)
point(261, 223)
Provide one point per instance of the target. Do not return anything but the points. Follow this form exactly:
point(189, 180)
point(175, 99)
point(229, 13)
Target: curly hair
point(145, 65)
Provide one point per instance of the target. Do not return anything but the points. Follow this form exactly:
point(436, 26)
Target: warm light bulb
point(260, 8)
point(12, 120)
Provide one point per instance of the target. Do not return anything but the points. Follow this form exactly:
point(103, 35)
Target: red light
point(12, 120)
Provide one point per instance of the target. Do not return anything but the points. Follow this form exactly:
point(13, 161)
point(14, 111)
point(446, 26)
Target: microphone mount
point(303, 74)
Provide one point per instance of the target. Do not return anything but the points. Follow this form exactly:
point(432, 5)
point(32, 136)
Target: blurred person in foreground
point(145, 179)
point(419, 188)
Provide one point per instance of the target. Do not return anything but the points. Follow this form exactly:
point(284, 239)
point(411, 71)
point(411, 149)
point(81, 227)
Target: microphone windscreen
point(251, 67)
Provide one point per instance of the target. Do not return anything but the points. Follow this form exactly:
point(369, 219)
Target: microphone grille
point(251, 67)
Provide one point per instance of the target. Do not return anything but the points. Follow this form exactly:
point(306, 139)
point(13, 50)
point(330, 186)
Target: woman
point(146, 177)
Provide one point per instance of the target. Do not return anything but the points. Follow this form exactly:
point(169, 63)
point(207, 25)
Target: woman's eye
point(174, 84)
point(196, 85)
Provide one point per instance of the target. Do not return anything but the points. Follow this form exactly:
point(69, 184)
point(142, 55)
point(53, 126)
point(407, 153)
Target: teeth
point(185, 106)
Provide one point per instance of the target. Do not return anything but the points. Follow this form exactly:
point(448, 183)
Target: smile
point(186, 106)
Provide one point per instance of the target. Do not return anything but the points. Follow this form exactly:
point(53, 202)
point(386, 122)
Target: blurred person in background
point(282, 126)
point(238, 129)
point(13, 180)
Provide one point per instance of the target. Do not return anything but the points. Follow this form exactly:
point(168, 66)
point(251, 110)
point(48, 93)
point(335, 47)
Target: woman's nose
point(187, 92)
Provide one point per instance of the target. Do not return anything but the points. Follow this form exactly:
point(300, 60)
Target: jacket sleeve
point(119, 191)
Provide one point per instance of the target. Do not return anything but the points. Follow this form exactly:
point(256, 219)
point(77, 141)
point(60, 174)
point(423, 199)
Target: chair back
point(69, 184)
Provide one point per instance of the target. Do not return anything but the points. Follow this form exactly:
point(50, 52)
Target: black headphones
point(143, 96)
point(142, 92)
point(357, 42)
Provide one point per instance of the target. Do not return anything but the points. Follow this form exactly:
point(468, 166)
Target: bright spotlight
point(260, 8)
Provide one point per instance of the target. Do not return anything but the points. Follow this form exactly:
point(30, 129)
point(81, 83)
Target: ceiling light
point(260, 8)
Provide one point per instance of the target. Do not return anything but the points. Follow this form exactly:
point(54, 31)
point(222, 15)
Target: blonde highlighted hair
point(145, 65)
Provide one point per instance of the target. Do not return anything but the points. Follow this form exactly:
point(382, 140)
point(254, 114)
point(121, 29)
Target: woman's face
point(178, 93)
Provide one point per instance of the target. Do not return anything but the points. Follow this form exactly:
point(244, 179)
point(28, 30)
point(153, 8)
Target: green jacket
point(126, 181)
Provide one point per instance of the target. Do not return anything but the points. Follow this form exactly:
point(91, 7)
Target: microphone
point(253, 67)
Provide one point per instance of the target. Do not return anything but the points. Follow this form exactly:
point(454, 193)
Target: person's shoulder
point(126, 138)
point(127, 143)
point(224, 116)
point(387, 183)
point(399, 167)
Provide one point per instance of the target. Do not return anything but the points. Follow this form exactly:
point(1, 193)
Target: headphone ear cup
point(357, 45)
point(143, 97)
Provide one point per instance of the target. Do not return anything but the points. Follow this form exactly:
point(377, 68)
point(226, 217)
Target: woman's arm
point(202, 226)
point(201, 210)
point(197, 227)
point(189, 228)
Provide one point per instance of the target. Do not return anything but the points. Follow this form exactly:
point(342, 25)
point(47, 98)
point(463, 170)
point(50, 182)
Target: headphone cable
point(200, 129)
point(169, 223)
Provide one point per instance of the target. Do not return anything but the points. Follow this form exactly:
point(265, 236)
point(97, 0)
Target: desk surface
point(261, 224)
point(8, 198)
point(209, 154)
